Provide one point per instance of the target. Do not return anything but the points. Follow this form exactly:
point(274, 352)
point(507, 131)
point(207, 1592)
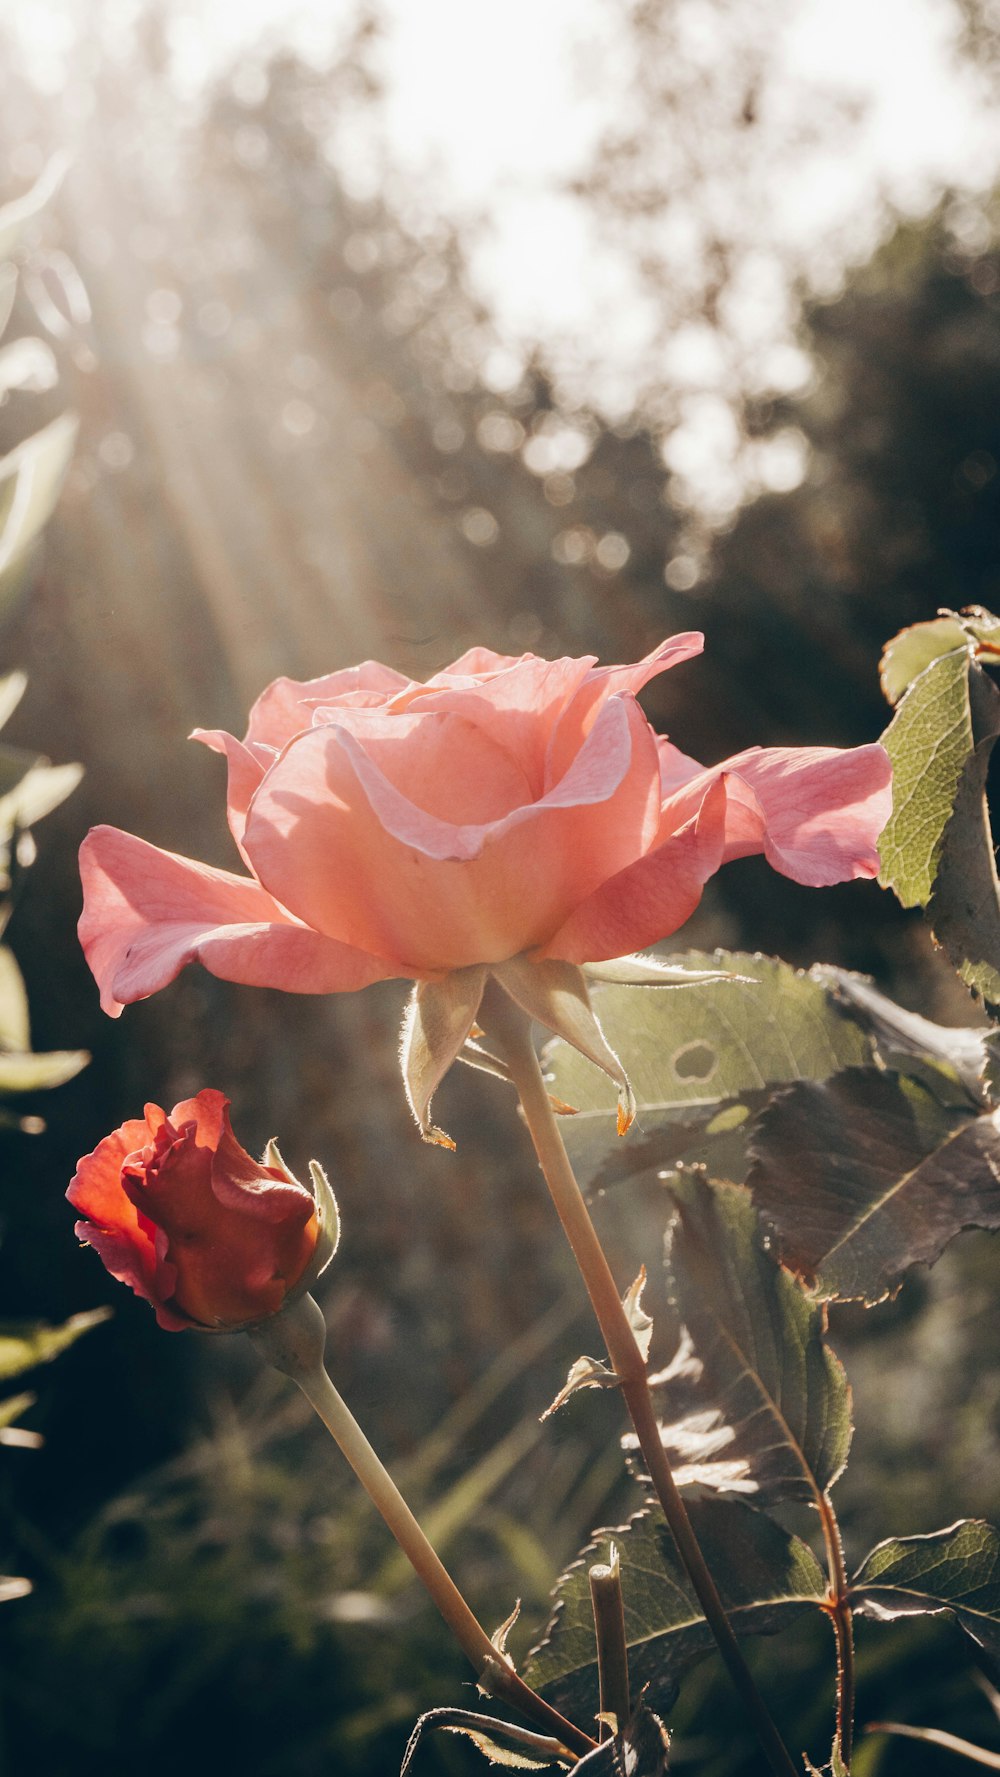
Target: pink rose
point(182, 1214)
point(506, 807)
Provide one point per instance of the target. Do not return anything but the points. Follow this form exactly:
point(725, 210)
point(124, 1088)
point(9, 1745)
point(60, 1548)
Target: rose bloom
point(508, 806)
point(181, 1213)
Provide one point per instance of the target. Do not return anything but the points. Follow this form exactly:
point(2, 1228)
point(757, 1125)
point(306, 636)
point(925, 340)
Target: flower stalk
point(294, 1342)
point(510, 1029)
point(842, 1618)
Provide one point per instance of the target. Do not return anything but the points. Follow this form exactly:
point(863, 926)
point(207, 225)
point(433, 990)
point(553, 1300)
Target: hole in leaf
point(696, 1061)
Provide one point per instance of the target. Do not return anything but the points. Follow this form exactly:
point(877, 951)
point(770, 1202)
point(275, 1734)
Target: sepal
point(436, 1025)
point(556, 995)
point(327, 1216)
point(653, 971)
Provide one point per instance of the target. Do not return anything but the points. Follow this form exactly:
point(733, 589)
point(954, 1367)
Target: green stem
point(507, 1024)
point(842, 1618)
point(294, 1342)
point(612, 1647)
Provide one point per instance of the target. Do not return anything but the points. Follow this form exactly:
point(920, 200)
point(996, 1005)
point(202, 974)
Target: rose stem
point(842, 1617)
point(294, 1342)
point(510, 1026)
point(612, 1648)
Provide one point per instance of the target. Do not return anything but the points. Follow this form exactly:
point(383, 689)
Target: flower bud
point(179, 1211)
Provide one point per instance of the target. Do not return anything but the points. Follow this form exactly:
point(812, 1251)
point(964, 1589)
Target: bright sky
point(489, 111)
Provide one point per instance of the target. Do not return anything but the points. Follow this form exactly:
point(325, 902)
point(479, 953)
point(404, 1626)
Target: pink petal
point(651, 898)
point(247, 765)
point(208, 1111)
point(437, 764)
point(125, 1262)
point(477, 661)
point(354, 857)
point(517, 706)
point(815, 812)
point(603, 682)
point(676, 768)
point(286, 707)
point(96, 1186)
point(148, 912)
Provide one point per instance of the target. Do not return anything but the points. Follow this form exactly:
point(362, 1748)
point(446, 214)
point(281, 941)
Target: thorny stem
point(508, 1025)
point(842, 1618)
point(293, 1341)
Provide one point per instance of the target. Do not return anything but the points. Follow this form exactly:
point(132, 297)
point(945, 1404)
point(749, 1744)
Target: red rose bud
point(179, 1211)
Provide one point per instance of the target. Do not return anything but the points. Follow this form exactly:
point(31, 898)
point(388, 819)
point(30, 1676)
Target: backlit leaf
point(765, 1577)
point(41, 789)
point(754, 1401)
point(869, 1173)
point(964, 909)
point(955, 1570)
point(15, 1028)
point(39, 1073)
point(690, 1051)
point(33, 473)
point(12, 688)
point(502, 1743)
point(912, 651)
point(928, 740)
point(23, 1344)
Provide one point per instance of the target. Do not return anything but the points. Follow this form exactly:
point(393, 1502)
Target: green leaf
point(955, 1570)
point(691, 1050)
point(869, 1173)
point(836, 1767)
point(765, 1577)
point(15, 1028)
point(39, 1073)
point(502, 1743)
point(12, 688)
point(23, 1344)
point(38, 791)
point(33, 472)
point(754, 1401)
point(968, 1054)
point(928, 740)
point(12, 1408)
point(915, 649)
point(964, 908)
point(15, 764)
point(977, 1755)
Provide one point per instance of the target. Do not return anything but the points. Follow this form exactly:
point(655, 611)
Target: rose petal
point(676, 768)
point(357, 860)
point(148, 912)
point(286, 707)
point(124, 1260)
point(815, 812)
point(477, 661)
point(231, 1263)
point(438, 763)
point(247, 765)
point(516, 706)
point(603, 682)
point(96, 1186)
point(652, 898)
point(208, 1111)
